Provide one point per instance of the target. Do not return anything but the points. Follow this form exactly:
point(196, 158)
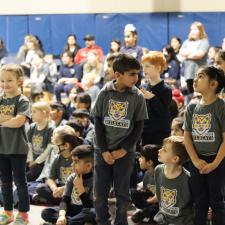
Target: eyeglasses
point(60, 144)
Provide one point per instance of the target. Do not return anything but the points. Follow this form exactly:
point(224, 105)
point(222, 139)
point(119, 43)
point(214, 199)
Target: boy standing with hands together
point(119, 112)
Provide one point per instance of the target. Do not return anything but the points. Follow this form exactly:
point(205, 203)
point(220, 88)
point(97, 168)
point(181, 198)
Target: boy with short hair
point(109, 71)
point(76, 207)
point(57, 114)
point(119, 113)
point(140, 197)
point(158, 97)
point(172, 184)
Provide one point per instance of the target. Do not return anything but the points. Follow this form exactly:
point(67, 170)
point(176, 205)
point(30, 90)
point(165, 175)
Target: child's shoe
point(138, 217)
point(6, 217)
point(21, 219)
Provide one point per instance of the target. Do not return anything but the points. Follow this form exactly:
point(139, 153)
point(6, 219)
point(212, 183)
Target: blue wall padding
point(154, 29)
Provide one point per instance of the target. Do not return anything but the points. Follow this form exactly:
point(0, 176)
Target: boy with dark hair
point(109, 72)
point(82, 101)
point(57, 113)
point(148, 161)
point(76, 206)
point(77, 125)
point(83, 115)
point(173, 184)
point(119, 113)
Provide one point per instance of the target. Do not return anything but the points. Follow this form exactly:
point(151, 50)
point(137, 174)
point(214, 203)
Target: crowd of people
point(143, 127)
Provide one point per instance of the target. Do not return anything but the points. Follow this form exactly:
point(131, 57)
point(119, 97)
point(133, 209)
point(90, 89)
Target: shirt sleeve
point(204, 45)
point(54, 170)
point(188, 117)
point(23, 108)
point(98, 106)
point(141, 112)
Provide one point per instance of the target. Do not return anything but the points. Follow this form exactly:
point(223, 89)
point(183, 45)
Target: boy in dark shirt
point(158, 98)
point(76, 205)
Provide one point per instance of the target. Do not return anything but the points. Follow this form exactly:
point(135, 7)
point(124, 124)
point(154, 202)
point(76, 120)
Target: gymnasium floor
point(35, 215)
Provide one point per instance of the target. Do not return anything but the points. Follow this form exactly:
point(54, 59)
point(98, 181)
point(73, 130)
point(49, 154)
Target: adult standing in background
point(194, 51)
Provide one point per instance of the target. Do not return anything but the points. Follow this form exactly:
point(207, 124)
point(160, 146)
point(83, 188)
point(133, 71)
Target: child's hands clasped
point(111, 157)
point(204, 167)
point(107, 156)
point(119, 153)
point(199, 163)
point(209, 167)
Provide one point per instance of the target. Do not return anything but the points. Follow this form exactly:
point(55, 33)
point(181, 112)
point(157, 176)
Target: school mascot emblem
point(201, 123)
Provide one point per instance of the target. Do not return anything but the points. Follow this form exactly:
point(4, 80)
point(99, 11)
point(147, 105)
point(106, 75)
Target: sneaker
point(138, 217)
point(37, 199)
point(21, 219)
point(6, 217)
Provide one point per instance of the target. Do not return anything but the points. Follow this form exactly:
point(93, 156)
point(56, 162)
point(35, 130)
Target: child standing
point(119, 112)
point(158, 98)
point(148, 161)
point(172, 184)
point(205, 143)
point(14, 111)
point(76, 206)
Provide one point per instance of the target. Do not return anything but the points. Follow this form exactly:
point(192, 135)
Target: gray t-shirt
point(149, 182)
point(174, 196)
point(119, 112)
point(190, 65)
point(61, 169)
point(206, 124)
point(39, 139)
point(71, 191)
point(14, 140)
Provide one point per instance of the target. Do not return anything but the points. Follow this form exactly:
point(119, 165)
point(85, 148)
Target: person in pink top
point(90, 45)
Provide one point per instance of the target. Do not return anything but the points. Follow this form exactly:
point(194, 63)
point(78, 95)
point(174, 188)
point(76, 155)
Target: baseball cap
point(89, 37)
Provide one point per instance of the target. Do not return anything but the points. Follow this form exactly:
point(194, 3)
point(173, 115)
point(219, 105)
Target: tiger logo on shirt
point(117, 112)
point(168, 201)
point(168, 197)
point(201, 123)
point(7, 109)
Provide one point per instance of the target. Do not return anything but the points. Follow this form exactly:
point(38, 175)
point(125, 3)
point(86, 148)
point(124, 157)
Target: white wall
point(16, 7)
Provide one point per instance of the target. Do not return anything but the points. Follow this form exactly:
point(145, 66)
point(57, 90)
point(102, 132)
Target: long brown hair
point(200, 27)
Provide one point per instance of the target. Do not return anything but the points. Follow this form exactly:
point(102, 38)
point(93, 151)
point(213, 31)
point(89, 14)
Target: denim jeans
point(62, 88)
point(117, 174)
point(208, 190)
point(13, 167)
point(76, 215)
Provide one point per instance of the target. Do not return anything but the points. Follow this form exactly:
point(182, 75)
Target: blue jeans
point(105, 175)
point(62, 88)
point(13, 167)
point(76, 215)
point(208, 190)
